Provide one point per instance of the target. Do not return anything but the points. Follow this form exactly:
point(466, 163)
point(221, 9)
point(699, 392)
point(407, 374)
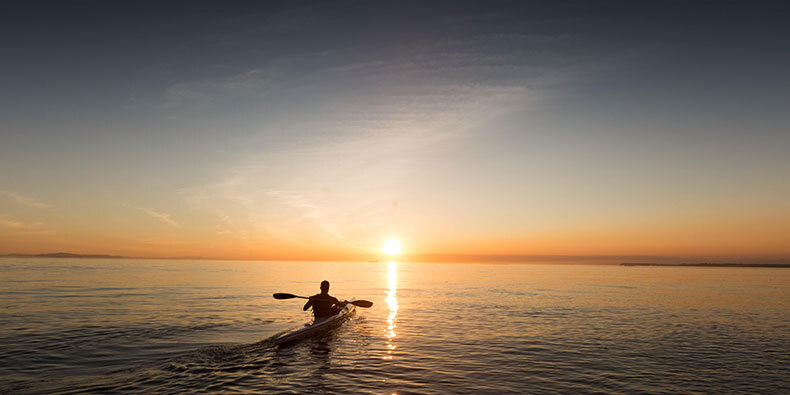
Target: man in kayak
point(324, 305)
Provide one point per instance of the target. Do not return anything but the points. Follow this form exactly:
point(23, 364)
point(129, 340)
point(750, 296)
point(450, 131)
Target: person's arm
point(308, 304)
point(340, 304)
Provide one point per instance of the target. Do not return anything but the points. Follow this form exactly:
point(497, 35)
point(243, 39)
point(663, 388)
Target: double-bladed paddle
point(358, 303)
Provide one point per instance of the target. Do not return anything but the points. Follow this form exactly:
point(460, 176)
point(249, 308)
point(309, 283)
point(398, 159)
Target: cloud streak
point(488, 60)
point(160, 216)
point(18, 224)
point(25, 200)
point(211, 90)
point(370, 119)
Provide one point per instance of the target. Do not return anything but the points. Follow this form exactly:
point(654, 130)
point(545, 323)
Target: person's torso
point(322, 304)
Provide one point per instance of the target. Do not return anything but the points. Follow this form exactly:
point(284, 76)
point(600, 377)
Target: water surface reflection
point(392, 303)
point(157, 326)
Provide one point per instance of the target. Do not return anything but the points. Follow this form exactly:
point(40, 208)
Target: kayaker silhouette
point(323, 304)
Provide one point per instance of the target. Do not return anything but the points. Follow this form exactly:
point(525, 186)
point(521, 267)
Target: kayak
point(317, 326)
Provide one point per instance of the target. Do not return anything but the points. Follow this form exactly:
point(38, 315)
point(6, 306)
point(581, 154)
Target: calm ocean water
point(158, 326)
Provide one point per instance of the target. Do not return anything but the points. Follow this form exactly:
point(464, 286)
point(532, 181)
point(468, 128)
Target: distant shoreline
point(63, 255)
point(787, 265)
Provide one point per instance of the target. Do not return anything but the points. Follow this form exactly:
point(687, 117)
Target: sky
point(317, 130)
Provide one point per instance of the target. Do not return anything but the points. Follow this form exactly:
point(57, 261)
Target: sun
point(391, 247)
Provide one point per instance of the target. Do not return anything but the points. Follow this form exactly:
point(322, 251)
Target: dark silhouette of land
point(703, 264)
point(103, 256)
point(61, 255)
point(520, 258)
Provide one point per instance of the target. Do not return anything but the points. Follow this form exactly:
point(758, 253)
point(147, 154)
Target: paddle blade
point(362, 303)
point(284, 296)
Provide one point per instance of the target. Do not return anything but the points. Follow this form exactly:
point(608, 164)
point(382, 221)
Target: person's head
point(324, 286)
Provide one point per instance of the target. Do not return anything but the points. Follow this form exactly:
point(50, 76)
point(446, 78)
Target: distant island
point(102, 256)
point(61, 255)
point(709, 264)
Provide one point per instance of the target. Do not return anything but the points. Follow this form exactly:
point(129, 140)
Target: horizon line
point(453, 258)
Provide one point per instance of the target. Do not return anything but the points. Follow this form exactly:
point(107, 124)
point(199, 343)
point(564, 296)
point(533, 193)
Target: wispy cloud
point(362, 147)
point(309, 209)
point(210, 90)
point(25, 200)
point(161, 216)
point(370, 121)
point(489, 60)
point(11, 223)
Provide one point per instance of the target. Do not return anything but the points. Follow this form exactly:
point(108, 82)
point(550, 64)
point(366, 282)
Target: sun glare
point(391, 247)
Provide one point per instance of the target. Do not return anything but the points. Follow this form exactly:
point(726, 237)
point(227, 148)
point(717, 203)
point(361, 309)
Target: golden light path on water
point(392, 303)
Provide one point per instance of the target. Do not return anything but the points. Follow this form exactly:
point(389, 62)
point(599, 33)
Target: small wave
point(513, 292)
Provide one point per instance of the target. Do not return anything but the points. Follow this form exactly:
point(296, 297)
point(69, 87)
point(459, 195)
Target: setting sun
point(391, 247)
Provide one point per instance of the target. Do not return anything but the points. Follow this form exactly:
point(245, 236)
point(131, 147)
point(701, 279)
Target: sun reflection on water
point(392, 303)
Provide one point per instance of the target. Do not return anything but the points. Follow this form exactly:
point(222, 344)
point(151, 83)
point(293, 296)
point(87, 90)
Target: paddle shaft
point(358, 303)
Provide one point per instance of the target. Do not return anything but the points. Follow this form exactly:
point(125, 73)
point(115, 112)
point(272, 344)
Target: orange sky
point(760, 234)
